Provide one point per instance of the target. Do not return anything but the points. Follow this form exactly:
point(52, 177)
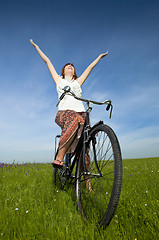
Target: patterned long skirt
point(71, 122)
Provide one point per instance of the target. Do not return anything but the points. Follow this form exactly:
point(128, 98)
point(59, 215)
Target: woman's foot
point(58, 163)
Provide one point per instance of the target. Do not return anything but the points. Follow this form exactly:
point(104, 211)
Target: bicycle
point(98, 180)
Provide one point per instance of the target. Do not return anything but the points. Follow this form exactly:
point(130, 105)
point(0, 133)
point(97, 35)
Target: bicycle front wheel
point(98, 189)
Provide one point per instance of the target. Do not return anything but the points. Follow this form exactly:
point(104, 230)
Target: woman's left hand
point(103, 54)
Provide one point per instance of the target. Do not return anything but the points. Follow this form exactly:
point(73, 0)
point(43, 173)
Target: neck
point(69, 77)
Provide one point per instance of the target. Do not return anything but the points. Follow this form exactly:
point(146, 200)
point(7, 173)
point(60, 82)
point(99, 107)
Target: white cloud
point(134, 119)
point(27, 123)
point(141, 143)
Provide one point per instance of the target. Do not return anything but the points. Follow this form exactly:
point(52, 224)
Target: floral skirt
point(71, 122)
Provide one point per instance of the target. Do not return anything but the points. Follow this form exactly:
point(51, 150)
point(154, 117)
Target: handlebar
point(67, 90)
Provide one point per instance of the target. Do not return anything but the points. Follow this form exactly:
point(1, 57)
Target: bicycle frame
point(94, 168)
point(82, 144)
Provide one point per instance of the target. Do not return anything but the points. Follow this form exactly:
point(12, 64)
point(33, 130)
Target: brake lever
point(108, 106)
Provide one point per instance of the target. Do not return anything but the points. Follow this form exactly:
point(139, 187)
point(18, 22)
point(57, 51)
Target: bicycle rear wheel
point(59, 178)
point(98, 189)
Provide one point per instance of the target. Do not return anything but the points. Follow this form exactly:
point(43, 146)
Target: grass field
point(31, 208)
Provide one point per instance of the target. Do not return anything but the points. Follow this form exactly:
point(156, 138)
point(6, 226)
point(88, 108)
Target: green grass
point(31, 208)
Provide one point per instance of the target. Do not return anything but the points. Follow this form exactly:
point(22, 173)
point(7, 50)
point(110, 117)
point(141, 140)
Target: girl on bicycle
point(71, 112)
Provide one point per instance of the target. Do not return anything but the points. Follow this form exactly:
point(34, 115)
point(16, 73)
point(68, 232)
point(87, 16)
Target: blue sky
point(78, 31)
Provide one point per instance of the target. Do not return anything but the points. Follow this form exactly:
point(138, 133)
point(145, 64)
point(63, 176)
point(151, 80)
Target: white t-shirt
point(69, 102)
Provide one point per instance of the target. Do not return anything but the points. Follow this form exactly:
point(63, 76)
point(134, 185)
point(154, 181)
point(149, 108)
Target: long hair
point(63, 69)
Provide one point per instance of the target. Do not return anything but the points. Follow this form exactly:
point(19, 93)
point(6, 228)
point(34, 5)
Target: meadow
point(32, 208)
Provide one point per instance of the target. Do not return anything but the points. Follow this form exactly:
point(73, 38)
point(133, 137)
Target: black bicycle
point(95, 168)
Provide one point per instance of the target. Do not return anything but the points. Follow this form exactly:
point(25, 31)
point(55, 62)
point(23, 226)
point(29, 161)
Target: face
point(69, 68)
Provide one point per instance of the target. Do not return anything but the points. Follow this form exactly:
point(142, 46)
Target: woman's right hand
point(32, 43)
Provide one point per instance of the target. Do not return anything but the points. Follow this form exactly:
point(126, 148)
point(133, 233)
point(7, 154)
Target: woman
point(71, 112)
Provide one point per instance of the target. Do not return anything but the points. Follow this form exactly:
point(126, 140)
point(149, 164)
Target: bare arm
point(51, 68)
point(86, 73)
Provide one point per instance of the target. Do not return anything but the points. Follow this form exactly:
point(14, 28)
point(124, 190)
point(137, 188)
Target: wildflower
point(146, 191)
point(27, 211)
point(145, 204)
point(54, 200)
point(57, 191)
point(16, 209)
point(106, 193)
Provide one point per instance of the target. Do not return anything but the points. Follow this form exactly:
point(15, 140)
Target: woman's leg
point(62, 151)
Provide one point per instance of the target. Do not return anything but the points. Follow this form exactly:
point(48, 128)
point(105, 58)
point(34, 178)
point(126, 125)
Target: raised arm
point(86, 73)
point(51, 68)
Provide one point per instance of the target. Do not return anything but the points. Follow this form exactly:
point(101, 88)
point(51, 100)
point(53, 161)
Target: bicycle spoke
point(102, 146)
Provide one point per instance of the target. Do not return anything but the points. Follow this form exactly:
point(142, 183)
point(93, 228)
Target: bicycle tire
point(100, 204)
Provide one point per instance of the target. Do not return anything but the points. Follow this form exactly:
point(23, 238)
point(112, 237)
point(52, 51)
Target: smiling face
point(69, 70)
